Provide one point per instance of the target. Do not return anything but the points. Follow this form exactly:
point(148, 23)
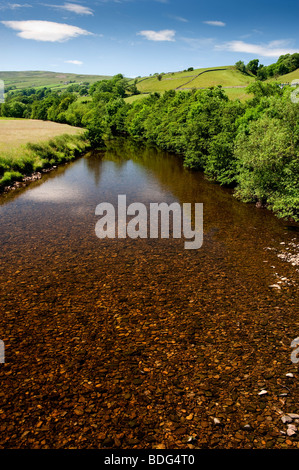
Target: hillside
point(234, 81)
point(287, 78)
point(226, 76)
point(36, 79)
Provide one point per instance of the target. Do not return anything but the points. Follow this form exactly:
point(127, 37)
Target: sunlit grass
point(27, 146)
point(224, 76)
point(15, 132)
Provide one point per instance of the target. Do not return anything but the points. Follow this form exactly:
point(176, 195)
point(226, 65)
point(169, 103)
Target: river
point(125, 343)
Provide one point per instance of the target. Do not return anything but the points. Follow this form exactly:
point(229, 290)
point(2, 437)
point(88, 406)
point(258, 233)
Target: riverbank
point(29, 148)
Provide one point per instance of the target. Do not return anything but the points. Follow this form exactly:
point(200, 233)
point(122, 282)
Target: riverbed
point(140, 343)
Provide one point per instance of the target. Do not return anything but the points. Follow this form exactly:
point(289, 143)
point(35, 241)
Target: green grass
point(237, 94)
point(152, 84)
point(131, 99)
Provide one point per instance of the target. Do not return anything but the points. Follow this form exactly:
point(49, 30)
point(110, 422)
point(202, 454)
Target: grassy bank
point(27, 147)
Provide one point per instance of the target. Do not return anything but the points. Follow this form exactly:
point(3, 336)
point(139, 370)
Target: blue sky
point(142, 37)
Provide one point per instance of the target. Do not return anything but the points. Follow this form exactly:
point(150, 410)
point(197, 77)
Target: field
point(226, 78)
point(29, 146)
point(39, 79)
point(200, 78)
point(16, 132)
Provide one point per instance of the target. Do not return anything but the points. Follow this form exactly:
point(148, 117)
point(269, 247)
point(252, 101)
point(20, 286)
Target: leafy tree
point(240, 66)
point(252, 66)
point(262, 73)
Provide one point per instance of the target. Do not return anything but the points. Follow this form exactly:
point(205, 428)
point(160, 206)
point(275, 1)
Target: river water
point(139, 342)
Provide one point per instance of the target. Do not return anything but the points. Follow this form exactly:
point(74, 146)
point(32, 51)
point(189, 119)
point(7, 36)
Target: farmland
point(16, 132)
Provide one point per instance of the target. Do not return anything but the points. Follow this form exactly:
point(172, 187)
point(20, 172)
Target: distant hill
point(232, 80)
point(198, 78)
point(37, 79)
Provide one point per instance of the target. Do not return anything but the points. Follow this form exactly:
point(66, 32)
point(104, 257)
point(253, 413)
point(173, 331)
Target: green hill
point(234, 81)
point(36, 79)
point(226, 76)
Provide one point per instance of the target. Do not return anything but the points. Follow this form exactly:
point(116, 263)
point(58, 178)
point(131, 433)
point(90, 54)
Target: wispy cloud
point(74, 62)
point(199, 43)
point(163, 35)
point(215, 23)
point(14, 6)
point(73, 8)
point(45, 30)
point(271, 49)
point(178, 18)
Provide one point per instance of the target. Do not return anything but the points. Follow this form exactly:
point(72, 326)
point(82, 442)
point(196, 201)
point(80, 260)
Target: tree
point(240, 66)
point(253, 66)
point(262, 73)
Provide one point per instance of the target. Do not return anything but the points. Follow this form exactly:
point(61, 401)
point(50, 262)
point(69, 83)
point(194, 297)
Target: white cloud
point(163, 35)
point(45, 30)
point(215, 23)
point(271, 49)
point(74, 8)
point(75, 62)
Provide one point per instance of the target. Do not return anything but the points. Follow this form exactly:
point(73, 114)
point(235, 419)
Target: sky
point(143, 37)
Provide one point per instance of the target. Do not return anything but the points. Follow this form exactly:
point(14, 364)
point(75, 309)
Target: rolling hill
point(37, 79)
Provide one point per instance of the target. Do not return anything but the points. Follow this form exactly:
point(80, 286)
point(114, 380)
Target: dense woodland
point(251, 146)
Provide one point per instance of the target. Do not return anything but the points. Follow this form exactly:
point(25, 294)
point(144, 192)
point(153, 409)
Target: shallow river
point(139, 342)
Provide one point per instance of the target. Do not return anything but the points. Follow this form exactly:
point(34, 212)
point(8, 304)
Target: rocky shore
point(26, 180)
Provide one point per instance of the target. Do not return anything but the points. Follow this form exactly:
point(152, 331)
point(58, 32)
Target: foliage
point(285, 64)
